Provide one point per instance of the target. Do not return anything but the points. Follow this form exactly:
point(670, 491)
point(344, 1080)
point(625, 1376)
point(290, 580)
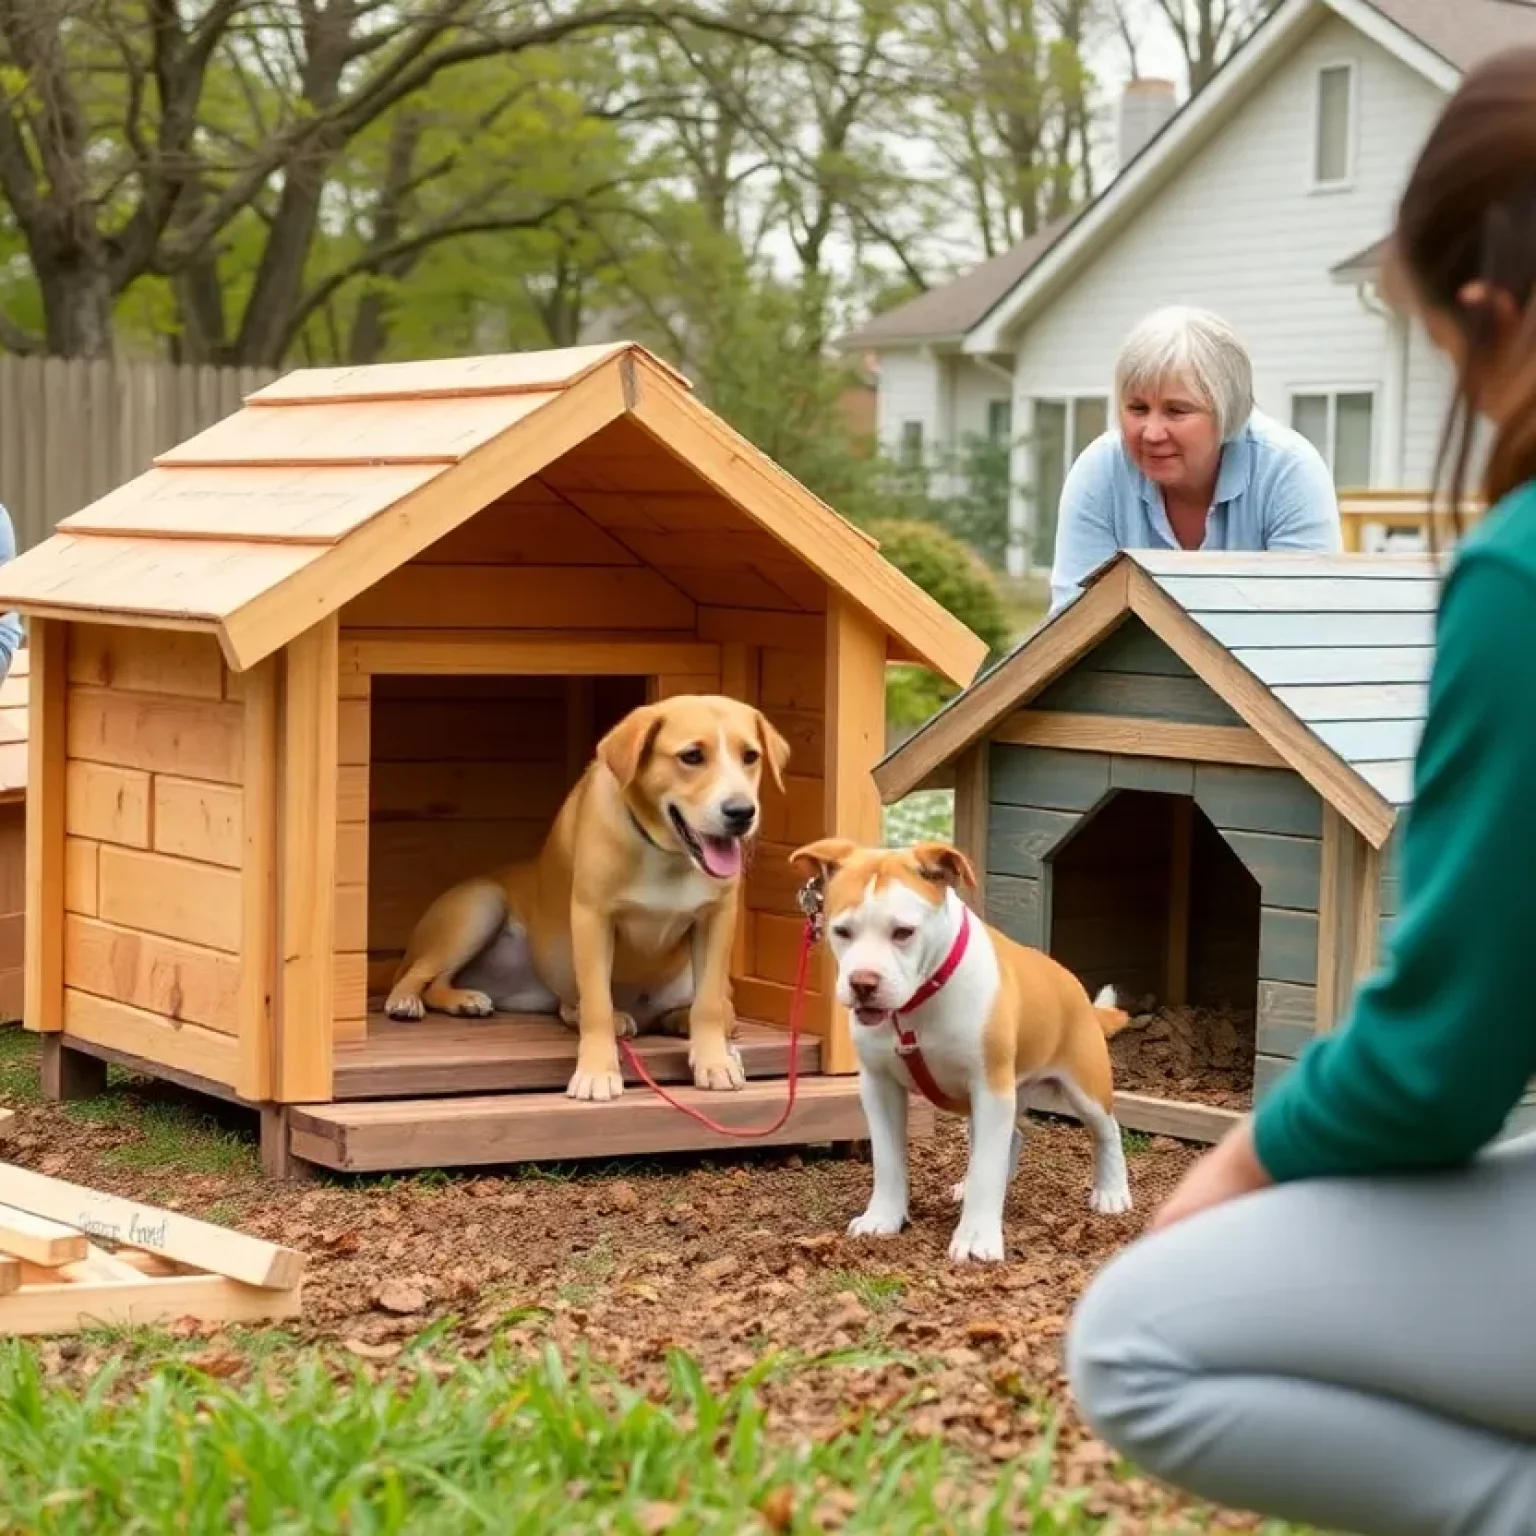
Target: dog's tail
point(1112, 1018)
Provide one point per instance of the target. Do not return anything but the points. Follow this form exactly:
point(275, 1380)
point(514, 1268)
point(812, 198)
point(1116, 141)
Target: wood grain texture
point(972, 814)
point(179, 981)
point(1047, 778)
point(304, 1014)
point(1288, 869)
point(533, 1127)
point(558, 653)
point(1146, 738)
point(206, 1053)
point(1288, 946)
point(1015, 906)
point(260, 862)
point(82, 885)
point(46, 871)
point(195, 738)
point(1019, 837)
point(854, 691)
point(110, 805)
point(1258, 800)
point(185, 666)
point(197, 820)
point(1087, 689)
point(175, 898)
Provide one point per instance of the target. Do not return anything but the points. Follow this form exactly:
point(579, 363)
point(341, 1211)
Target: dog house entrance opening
point(1147, 896)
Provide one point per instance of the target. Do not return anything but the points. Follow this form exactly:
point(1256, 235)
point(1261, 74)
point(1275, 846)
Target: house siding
point(909, 390)
point(1237, 230)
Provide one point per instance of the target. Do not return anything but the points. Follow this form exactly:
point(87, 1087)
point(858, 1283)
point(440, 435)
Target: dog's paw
point(469, 1005)
point(957, 1192)
point(719, 1071)
point(876, 1222)
point(977, 1242)
point(624, 1027)
point(570, 1014)
point(408, 1007)
point(1114, 1201)
point(598, 1087)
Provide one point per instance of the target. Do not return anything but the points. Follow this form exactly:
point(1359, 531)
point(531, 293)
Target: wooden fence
point(1377, 519)
point(71, 430)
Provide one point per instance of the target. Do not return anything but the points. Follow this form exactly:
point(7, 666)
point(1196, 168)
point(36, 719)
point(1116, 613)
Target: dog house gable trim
point(327, 482)
point(1322, 660)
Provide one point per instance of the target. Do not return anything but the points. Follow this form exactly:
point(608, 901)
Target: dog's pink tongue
point(722, 856)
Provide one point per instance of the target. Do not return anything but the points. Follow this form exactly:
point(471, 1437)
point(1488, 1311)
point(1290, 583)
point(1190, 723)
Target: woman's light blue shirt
point(1273, 491)
point(10, 625)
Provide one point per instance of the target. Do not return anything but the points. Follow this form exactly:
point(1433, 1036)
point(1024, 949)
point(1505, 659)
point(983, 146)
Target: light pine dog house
point(353, 643)
point(1187, 783)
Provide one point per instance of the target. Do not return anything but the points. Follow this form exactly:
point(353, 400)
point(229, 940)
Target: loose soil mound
point(1200, 1055)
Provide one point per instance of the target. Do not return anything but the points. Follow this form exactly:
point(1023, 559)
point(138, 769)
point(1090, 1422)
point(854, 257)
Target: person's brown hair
point(1468, 214)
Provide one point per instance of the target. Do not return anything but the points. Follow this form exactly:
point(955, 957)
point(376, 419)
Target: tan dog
point(624, 921)
point(1000, 1017)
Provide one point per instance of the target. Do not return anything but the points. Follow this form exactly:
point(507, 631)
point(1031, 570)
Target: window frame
point(1331, 394)
point(1346, 182)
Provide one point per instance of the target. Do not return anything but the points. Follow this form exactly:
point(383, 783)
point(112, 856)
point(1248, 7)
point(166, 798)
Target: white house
point(1264, 198)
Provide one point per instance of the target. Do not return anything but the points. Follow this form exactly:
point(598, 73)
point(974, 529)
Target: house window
point(999, 420)
point(1333, 128)
point(1340, 424)
point(1063, 428)
point(912, 443)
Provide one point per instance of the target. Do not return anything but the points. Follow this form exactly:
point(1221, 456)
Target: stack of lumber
point(74, 1258)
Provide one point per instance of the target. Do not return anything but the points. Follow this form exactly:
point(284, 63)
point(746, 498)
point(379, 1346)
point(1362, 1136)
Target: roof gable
point(1325, 658)
point(329, 480)
point(1194, 126)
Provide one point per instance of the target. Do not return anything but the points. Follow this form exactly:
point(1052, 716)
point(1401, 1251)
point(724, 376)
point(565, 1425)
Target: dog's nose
point(864, 983)
point(739, 814)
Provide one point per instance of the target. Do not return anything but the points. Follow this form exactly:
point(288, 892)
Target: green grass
point(492, 1445)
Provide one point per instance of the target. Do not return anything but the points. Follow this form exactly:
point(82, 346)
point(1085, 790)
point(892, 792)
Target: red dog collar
point(906, 1039)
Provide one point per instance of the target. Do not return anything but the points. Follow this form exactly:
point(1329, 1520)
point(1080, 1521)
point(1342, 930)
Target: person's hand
point(1229, 1170)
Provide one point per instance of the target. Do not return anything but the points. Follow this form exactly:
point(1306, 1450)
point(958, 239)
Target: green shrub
point(951, 573)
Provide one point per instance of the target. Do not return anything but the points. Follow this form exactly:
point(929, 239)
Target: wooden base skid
point(1152, 1116)
point(400, 1134)
point(73, 1258)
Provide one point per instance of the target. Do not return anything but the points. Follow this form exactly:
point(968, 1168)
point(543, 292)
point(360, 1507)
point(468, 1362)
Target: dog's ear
point(944, 864)
point(775, 748)
point(624, 749)
point(823, 858)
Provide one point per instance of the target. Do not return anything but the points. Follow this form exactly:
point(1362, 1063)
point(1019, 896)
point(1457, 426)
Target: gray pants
point(1358, 1355)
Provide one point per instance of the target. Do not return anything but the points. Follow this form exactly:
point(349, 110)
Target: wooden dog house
point(354, 642)
point(1186, 783)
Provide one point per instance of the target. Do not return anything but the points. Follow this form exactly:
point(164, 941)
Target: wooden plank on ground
point(39, 1239)
point(68, 1306)
point(137, 1224)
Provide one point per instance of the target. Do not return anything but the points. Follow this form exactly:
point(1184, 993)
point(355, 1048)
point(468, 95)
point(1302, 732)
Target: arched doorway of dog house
point(1147, 896)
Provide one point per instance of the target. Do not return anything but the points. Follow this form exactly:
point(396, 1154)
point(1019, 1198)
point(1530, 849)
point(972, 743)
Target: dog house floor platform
point(524, 1053)
point(456, 1093)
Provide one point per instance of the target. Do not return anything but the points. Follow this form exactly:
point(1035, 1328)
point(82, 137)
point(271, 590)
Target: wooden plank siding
point(1039, 799)
point(152, 787)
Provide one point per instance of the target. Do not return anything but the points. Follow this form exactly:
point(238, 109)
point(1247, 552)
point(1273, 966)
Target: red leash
point(807, 943)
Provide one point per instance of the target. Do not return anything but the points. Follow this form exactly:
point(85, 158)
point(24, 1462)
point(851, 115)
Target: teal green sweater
point(1441, 1042)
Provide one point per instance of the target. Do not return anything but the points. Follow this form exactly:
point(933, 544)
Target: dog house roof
point(328, 479)
point(1325, 657)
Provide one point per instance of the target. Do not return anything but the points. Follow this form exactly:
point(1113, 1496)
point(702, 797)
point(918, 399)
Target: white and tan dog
point(988, 1017)
point(624, 920)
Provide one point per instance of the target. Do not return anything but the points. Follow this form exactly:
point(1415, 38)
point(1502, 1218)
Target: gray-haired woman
point(1192, 464)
